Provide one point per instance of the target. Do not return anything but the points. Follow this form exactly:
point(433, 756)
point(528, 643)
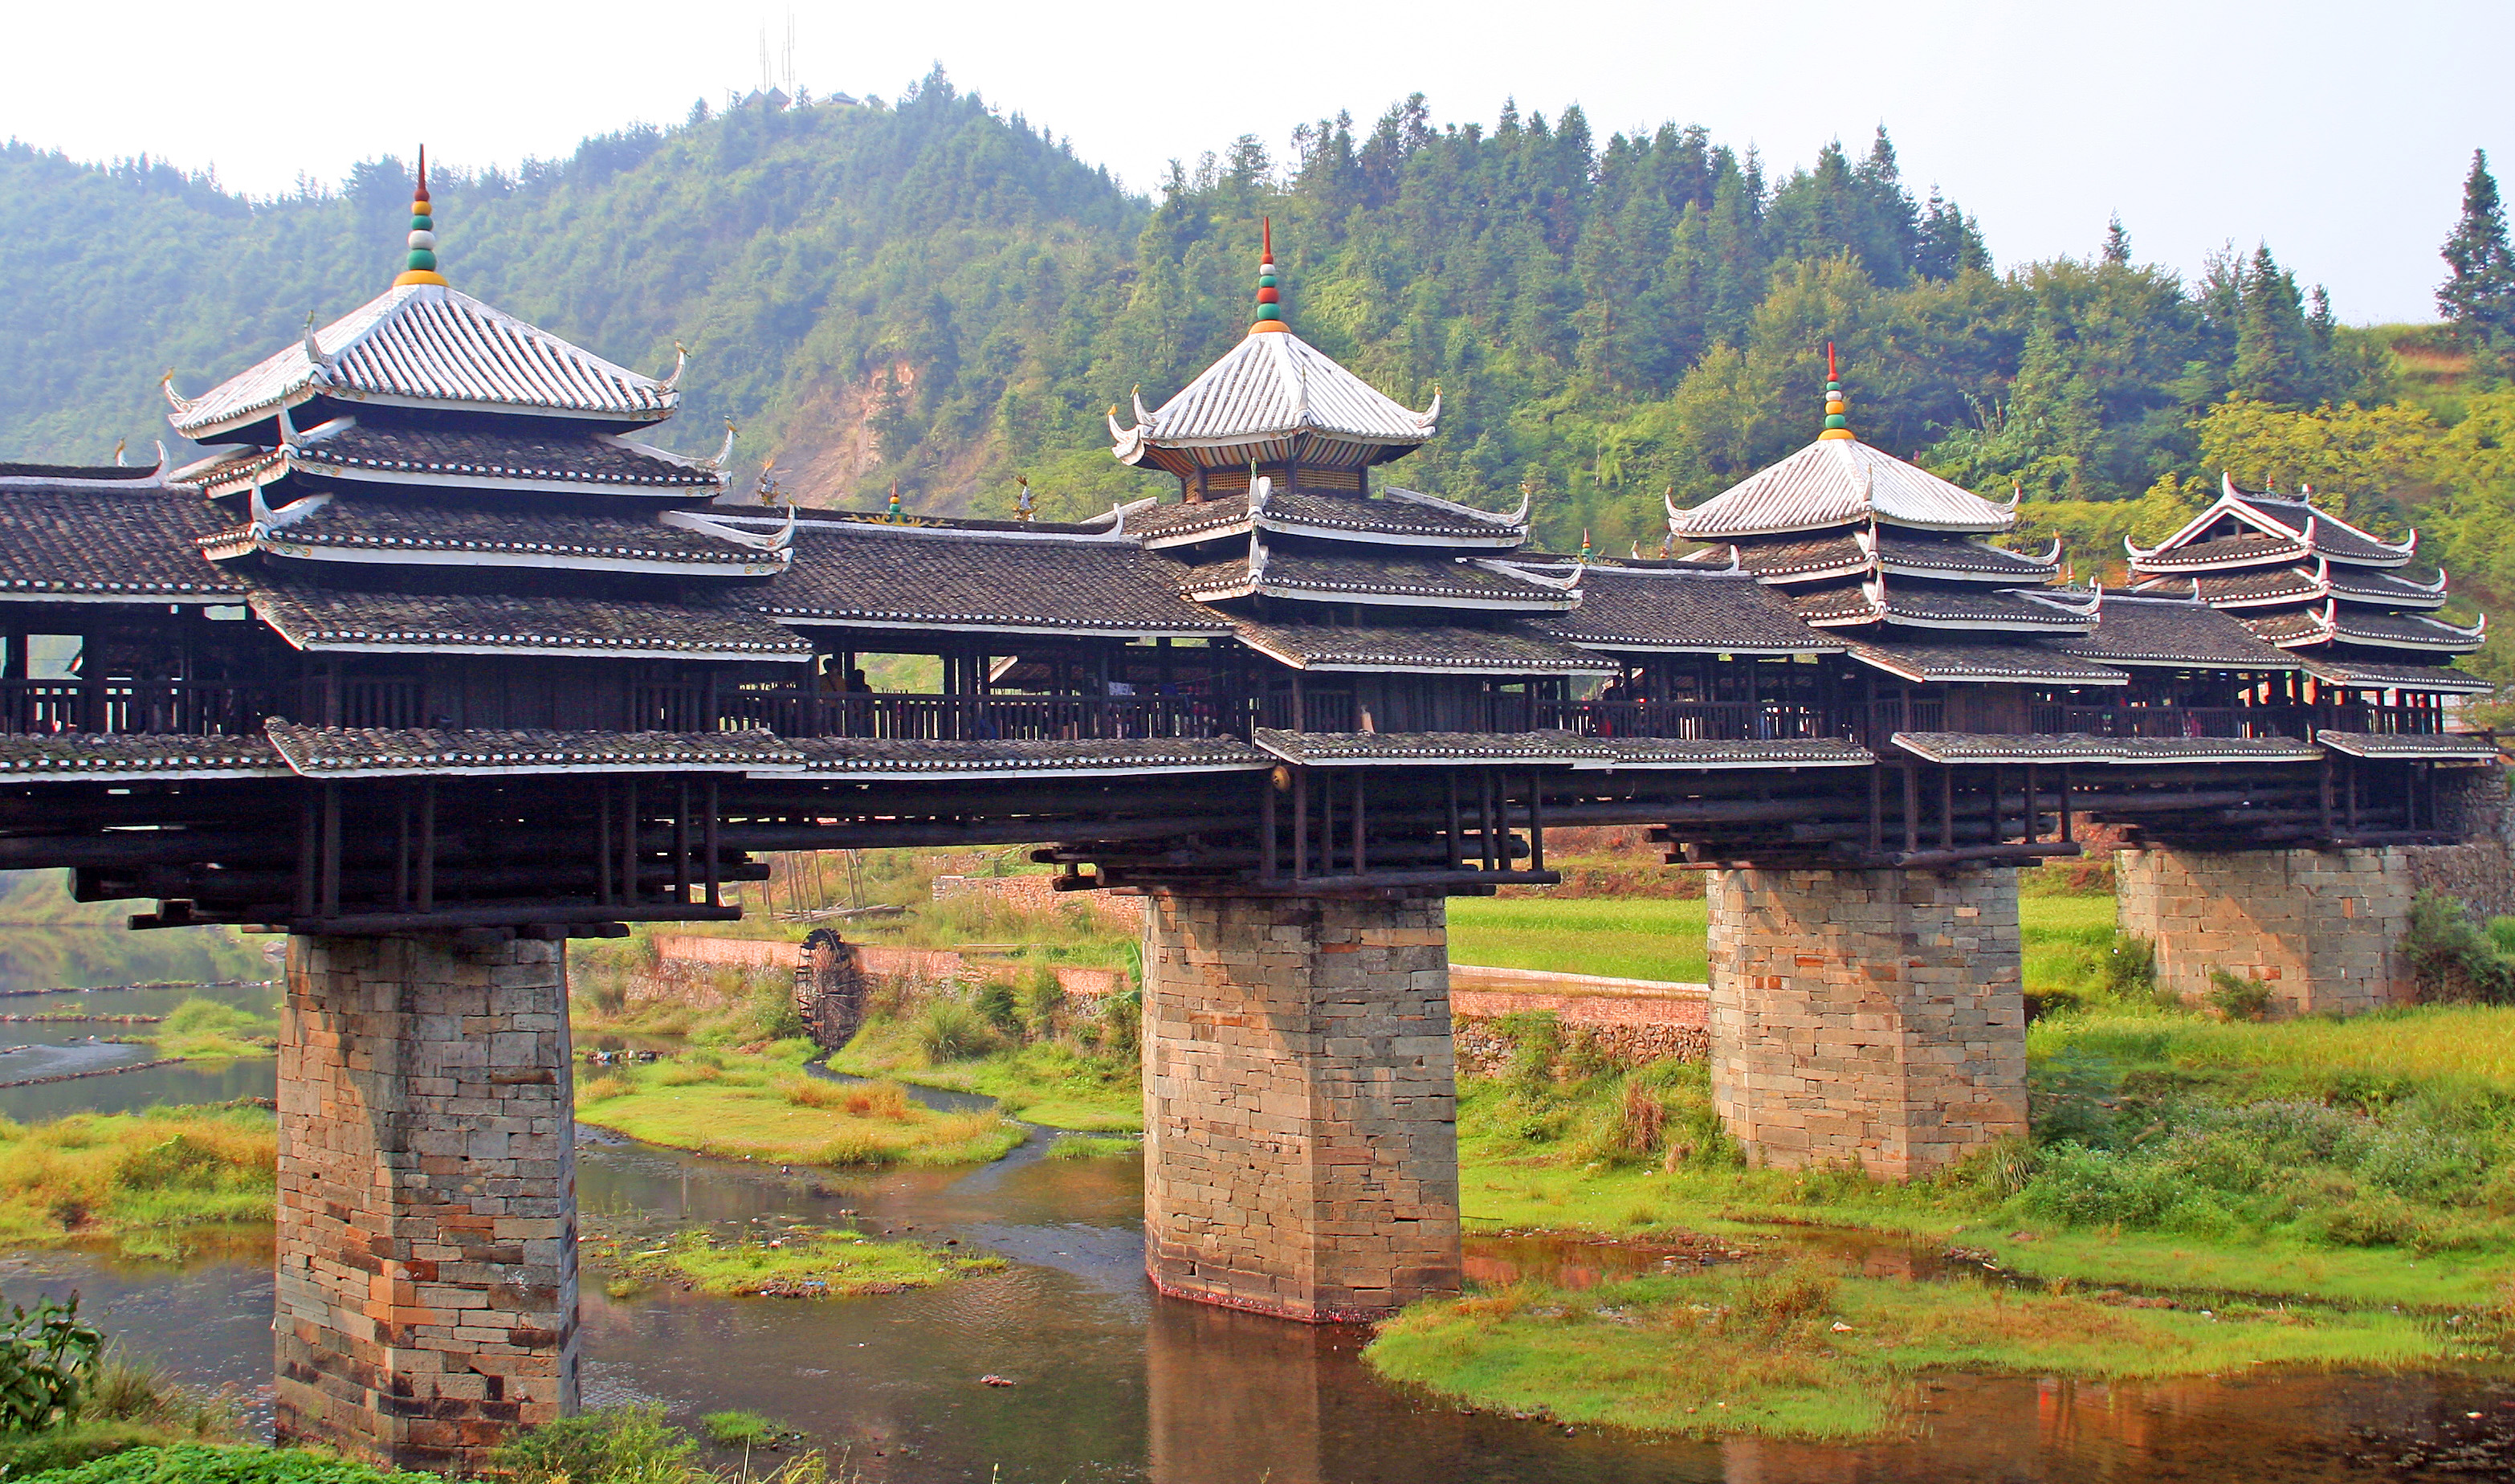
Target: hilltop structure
point(433, 664)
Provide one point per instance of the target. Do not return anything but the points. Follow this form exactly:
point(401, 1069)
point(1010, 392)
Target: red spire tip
point(1266, 239)
point(1830, 373)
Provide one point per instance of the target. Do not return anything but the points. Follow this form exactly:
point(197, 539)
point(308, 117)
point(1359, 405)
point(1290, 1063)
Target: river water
point(1114, 1382)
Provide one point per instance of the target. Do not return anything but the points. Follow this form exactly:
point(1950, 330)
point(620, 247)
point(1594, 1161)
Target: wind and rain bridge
point(431, 664)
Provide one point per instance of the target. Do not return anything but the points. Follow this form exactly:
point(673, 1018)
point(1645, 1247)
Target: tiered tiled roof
point(83, 757)
point(866, 758)
point(426, 345)
point(1513, 649)
point(106, 540)
point(2183, 635)
point(2304, 578)
point(1394, 517)
point(334, 752)
point(1865, 543)
point(1677, 611)
point(405, 532)
point(543, 457)
point(1369, 576)
point(928, 578)
point(345, 620)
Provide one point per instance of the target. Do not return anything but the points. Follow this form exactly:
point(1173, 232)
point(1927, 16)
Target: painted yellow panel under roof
point(1834, 482)
point(421, 343)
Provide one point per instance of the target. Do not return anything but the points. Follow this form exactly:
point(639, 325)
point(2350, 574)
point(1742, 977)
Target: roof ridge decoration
point(1837, 422)
point(420, 268)
point(1270, 303)
point(781, 540)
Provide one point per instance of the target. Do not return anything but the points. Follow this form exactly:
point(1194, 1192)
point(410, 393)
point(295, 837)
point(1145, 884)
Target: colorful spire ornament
point(1270, 304)
point(1836, 425)
point(421, 267)
point(1023, 509)
point(892, 515)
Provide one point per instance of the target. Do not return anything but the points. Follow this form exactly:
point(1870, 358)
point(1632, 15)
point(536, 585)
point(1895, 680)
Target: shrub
point(1043, 1002)
point(2238, 998)
point(998, 1005)
point(947, 1030)
point(609, 1444)
point(2071, 1095)
point(2452, 958)
point(740, 1429)
point(1121, 1017)
point(1770, 1304)
point(47, 1360)
point(2130, 969)
point(1536, 1040)
point(609, 1085)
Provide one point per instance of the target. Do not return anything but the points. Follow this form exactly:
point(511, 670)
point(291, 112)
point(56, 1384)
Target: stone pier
point(1866, 1017)
point(2320, 930)
point(426, 1289)
point(1300, 1104)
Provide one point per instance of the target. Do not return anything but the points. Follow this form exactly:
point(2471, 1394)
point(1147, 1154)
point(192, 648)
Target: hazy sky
point(2339, 132)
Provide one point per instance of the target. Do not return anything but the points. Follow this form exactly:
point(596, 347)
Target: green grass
point(760, 1107)
point(208, 1030)
point(1641, 938)
point(1051, 1083)
point(147, 1181)
point(1619, 938)
point(2470, 1047)
point(1811, 1351)
point(799, 1263)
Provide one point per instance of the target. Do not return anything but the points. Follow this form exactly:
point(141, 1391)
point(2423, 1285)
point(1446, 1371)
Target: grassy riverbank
point(2198, 1195)
point(762, 1105)
point(211, 1030)
point(1054, 1081)
point(149, 1184)
point(1810, 1351)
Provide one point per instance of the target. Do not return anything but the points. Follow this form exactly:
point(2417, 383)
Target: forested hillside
point(930, 294)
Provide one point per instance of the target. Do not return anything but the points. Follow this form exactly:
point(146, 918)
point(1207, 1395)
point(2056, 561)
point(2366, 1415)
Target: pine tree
point(2479, 296)
point(2117, 242)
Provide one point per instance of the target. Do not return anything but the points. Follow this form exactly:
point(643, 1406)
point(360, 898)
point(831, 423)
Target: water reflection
point(49, 1049)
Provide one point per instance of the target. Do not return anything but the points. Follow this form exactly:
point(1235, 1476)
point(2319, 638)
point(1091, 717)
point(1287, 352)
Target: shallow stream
point(1115, 1382)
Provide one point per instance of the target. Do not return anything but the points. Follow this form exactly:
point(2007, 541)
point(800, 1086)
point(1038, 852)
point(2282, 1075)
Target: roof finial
point(1023, 509)
point(1836, 426)
point(894, 514)
point(1270, 313)
point(421, 267)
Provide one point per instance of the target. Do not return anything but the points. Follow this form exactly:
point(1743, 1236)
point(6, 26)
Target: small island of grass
point(763, 1106)
point(799, 1263)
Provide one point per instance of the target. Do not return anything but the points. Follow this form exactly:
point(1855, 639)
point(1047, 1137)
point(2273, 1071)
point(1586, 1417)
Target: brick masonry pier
point(1300, 1104)
point(426, 1289)
point(1868, 1017)
point(2320, 930)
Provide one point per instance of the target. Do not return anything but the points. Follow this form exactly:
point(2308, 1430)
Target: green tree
point(2477, 295)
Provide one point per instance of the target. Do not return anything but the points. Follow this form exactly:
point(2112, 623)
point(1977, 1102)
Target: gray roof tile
point(340, 619)
point(334, 752)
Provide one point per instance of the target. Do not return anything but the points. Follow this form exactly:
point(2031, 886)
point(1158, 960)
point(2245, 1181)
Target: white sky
point(2337, 132)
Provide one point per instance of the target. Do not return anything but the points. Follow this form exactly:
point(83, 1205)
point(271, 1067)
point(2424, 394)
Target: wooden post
point(1911, 806)
point(1301, 823)
point(331, 903)
point(682, 840)
point(709, 844)
point(1450, 787)
point(1361, 851)
point(629, 844)
point(309, 842)
point(1266, 828)
point(426, 901)
point(401, 848)
point(1536, 821)
point(602, 841)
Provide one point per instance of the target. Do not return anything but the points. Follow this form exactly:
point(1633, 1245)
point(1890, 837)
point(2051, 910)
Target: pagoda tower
point(1275, 407)
point(2304, 578)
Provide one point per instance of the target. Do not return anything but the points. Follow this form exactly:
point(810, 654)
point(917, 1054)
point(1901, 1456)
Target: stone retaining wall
point(1631, 1021)
point(688, 967)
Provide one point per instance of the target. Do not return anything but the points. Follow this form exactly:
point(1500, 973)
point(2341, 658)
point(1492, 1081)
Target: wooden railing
point(967, 719)
point(164, 707)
